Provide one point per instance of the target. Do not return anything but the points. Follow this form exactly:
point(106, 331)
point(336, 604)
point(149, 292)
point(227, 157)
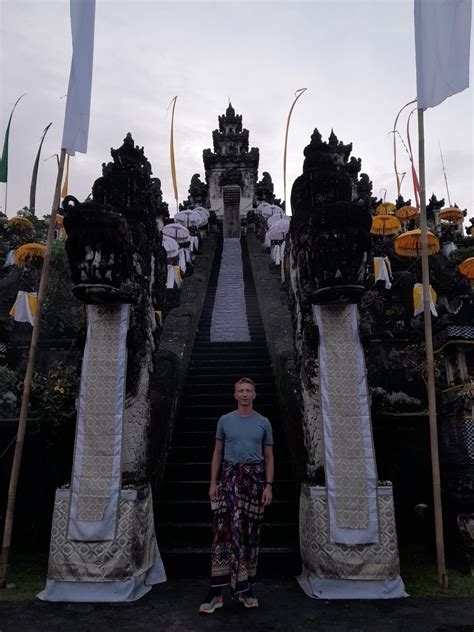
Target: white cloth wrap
point(349, 455)
point(229, 316)
point(96, 475)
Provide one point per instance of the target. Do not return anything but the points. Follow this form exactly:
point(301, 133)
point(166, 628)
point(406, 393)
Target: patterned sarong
point(237, 521)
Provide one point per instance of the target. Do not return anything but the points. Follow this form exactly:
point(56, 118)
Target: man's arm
point(267, 495)
point(215, 466)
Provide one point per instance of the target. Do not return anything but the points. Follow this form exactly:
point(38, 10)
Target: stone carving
point(264, 190)
point(198, 192)
point(327, 272)
point(118, 267)
point(231, 153)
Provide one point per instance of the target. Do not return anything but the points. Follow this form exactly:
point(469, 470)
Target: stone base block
point(342, 571)
point(122, 569)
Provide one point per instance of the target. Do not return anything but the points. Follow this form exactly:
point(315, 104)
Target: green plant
point(53, 399)
point(63, 315)
point(8, 390)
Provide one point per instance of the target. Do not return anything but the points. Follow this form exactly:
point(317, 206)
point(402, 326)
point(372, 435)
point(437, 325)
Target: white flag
point(442, 40)
point(78, 106)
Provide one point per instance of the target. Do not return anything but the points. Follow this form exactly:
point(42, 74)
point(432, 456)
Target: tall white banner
point(442, 42)
point(76, 121)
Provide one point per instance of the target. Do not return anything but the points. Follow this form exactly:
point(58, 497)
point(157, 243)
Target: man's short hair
point(244, 380)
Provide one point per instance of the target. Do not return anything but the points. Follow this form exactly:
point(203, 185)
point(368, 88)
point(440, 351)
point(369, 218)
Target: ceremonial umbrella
point(409, 244)
point(189, 218)
point(275, 218)
point(171, 246)
point(405, 213)
point(467, 268)
point(262, 205)
point(279, 229)
point(385, 225)
point(29, 254)
point(178, 232)
point(202, 211)
point(385, 208)
point(452, 215)
point(271, 209)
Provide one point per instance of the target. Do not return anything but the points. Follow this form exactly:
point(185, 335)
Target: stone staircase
point(183, 512)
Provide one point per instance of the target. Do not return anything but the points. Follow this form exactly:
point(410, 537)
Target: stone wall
point(173, 354)
point(278, 327)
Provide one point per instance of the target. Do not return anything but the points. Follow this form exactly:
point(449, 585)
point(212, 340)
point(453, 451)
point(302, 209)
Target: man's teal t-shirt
point(244, 437)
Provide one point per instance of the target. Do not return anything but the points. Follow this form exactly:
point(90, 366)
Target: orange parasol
point(29, 254)
point(409, 244)
point(467, 268)
point(406, 212)
point(452, 215)
point(385, 225)
point(385, 208)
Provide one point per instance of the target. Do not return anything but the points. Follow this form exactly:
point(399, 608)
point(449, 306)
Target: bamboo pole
point(298, 93)
point(20, 439)
point(394, 132)
point(172, 159)
point(438, 514)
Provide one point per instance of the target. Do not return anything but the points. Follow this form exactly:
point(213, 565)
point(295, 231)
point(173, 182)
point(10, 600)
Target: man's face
point(244, 393)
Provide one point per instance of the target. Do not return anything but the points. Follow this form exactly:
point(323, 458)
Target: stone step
point(217, 380)
point(195, 490)
point(198, 534)
point(226, 398)
point(191, 453)
point(191, 511)
point(201, 471)
point(212, 388)
point(217, 410)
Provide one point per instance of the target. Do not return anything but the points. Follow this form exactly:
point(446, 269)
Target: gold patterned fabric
point(349, 455)
point(96, 477)
point(324, 558)
point(131, 553)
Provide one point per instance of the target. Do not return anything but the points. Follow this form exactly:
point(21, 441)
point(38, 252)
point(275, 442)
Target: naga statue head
point(333, 202)
point(113, 240)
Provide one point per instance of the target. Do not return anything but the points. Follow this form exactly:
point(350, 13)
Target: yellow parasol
point(385, 225)
point(29, 254)
point(409, 244)
point(405, 213)
point(467, 268)
point(452, 215)
point(385, 208)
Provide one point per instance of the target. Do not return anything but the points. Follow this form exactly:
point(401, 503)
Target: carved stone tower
point(231, 163)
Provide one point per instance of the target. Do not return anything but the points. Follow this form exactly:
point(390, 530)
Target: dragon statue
point(103, 545)
point(347, 523)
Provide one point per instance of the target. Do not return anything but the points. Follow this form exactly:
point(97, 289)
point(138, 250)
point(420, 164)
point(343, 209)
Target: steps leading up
point(183, 511)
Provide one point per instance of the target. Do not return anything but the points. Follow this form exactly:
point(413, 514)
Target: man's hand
point(267, 495)
point(213, 491)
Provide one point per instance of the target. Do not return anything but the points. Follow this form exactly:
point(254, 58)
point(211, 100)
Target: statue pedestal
point(117, 570)
point(341, 571)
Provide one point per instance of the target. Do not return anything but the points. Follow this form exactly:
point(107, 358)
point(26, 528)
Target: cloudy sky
point(356, 58)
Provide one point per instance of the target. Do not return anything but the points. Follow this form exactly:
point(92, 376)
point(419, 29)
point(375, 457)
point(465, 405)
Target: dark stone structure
point(198, 191)
point(231, 162)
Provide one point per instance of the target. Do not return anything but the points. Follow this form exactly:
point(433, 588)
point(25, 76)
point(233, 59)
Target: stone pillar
point(231, 195)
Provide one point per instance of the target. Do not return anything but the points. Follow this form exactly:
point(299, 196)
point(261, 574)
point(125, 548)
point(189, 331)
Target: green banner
point(4, 158)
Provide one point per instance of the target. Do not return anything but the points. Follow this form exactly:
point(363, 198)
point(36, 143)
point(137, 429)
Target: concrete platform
point(283, 607)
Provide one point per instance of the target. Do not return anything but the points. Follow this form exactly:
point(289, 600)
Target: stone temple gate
point(159, 366)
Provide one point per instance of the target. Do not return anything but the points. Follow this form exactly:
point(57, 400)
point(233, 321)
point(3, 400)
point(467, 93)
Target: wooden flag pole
point(172, 159)
point(298, 93)
point(394, 132)
point(438, 514)
point(20, 438)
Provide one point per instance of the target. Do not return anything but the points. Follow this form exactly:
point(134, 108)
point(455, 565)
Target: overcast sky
point(356, 58)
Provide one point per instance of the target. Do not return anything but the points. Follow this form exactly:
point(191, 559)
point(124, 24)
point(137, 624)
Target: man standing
point(244, 442)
